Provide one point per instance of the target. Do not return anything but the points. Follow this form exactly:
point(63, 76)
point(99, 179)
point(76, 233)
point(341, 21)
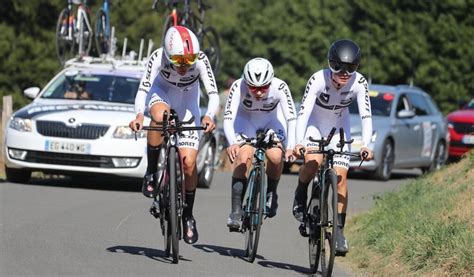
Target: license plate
point(67, 147)
point(468, 139)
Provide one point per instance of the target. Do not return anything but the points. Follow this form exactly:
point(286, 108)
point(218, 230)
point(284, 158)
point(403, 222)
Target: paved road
point(97, 228)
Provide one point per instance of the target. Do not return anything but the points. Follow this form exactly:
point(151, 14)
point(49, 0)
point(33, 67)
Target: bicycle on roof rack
point(73, 31)
point(168, 205)
point(103, 36)
point(320, 218)
point(185, 15)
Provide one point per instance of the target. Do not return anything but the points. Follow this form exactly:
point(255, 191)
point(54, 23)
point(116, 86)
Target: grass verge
point(425, 228)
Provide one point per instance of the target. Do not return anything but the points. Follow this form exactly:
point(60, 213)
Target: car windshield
point(381, 103)
point(95, 87)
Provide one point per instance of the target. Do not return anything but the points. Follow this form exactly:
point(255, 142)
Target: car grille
point(69, 159)
point(59, 129)
point(463, 128)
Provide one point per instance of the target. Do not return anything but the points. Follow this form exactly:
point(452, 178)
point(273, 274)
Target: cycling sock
point(272, 184)
point(238, 190)
point(188, 210)
point(152, 153)
point(342, 219)
point(301, 192)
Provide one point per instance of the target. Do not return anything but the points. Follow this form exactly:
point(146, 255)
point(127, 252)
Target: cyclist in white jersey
point(325, 103)
point(257, 101)
point(171, 81)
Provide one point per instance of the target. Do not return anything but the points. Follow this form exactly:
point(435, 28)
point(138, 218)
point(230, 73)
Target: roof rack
point(110, 59)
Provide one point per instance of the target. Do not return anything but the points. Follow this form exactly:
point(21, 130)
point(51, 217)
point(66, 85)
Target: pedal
point(154, 209)
point(302, 230)
point(232, 229)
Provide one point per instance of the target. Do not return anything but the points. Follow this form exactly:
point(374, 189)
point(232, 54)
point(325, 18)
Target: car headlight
point(124, 132)
point(21, 124)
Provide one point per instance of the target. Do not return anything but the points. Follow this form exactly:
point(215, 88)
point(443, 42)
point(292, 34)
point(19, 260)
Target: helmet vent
point(258, 75)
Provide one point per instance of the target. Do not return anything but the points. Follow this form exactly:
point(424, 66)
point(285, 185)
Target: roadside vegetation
point(425, 228)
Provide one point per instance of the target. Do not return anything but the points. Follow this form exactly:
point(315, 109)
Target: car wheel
point(439, 158)
point(384, 170)
point(15, 175)
point(207, 173)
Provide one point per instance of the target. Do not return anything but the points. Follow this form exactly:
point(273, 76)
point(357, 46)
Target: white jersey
point(158, 65)
point(324, 107)
point(245, 114)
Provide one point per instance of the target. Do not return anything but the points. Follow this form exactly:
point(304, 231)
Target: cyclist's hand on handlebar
point(297, 150)
point(233, 151)
point(137, 124)
point(366, 153)
point(208, 123)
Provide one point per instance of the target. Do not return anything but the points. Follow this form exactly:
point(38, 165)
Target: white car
point(78, 124)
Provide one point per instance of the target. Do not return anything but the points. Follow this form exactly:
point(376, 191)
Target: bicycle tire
point(64, 46)
point(102, 40)
point(173, 209)
point(256, 213)
point(314, 247)
point(210, 46)
point(329, 218)
point(164, 201)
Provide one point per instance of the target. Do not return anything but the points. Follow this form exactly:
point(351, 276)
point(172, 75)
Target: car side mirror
point(32, 92)
point(406, 114)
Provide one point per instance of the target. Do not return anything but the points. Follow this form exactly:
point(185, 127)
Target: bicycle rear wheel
point(210, 46)
point(314, 238)
point(102, 35)
point(328, 222)
point(64, 43)
point(256, 206)
point(173, 215)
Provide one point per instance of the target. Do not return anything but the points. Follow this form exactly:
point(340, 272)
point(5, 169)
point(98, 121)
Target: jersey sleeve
point(230, 112)
point(152, 68)
point(306, 108)
point(288, 107)
point(365, 111)
point(209, 83)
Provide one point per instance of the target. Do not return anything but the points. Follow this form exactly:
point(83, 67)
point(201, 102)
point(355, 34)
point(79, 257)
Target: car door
point(427, 120)
point(407, 132)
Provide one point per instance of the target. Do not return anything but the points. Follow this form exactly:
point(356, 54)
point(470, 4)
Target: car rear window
point(96, 87)
point(381, 103)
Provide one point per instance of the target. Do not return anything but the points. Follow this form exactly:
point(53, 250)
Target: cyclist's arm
point(151, 71)
point(365, 112)
point(209, 82)
point(307, 105)
point(230, 112)
point(288, 107)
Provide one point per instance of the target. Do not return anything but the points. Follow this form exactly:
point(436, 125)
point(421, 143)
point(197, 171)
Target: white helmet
point(258, 72)
point(181, 45)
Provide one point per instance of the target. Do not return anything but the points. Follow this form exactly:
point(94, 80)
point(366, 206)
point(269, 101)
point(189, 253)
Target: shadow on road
point(154, 254)
point(224, 251)
point(285, 266)
point(85, 182)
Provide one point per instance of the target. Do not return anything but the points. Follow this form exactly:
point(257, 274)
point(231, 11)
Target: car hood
point(78, 112)
point(377, 122)
point(462, 115)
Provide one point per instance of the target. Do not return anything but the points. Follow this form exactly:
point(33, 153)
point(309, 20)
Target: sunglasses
point(257, 89)
point(337, 67)
point(183, 60)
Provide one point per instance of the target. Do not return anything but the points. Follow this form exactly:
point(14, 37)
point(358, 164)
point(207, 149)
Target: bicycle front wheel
point(312, 222)
point(102, 35)
point(255, 208)
point(64, 38)
point(173, 209)
point(210, 46)
point(328, 222)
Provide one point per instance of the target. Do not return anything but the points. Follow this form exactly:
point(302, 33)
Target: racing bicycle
point(254, 205)
point(73, 31)
point(169, 203)
point(320, 218)
point(186, 16)
point(102, 28)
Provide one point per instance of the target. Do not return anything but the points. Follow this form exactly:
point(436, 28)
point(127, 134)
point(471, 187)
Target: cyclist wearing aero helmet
point(257, 101)
point(325, 103)
point(171, 81)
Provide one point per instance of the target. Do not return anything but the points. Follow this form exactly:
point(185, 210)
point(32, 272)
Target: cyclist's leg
point(306, 173)
point(158, 104)
point(342, 246)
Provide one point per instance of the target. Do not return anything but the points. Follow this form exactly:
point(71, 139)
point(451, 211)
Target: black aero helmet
point(344, 55)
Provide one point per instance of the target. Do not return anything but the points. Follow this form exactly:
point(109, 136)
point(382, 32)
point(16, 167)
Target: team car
point(78, 124)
